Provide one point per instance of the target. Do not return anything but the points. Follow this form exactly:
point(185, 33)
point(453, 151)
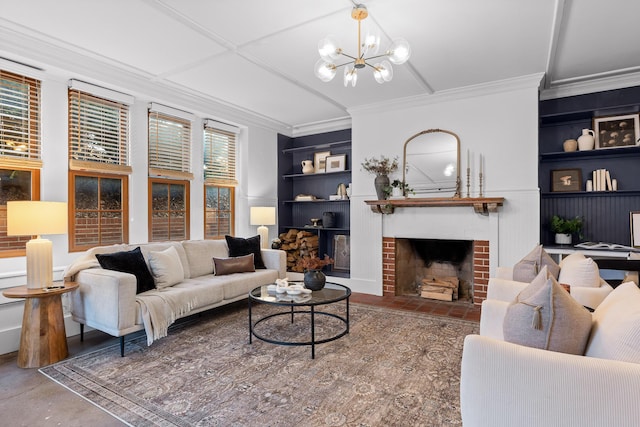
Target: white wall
point(257, 151)
point(498, 120)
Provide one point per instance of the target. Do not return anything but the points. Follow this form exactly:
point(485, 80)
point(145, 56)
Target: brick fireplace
point(480, 268)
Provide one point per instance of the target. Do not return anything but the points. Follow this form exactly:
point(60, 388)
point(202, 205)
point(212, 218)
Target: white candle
point(468, 159)
point(480, 155)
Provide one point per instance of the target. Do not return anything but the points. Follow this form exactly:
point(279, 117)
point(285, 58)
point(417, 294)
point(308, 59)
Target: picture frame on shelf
point(566, 180)
point(634, 226)
point(335, 163)
point(319, 160)
point(617, 131)
point(341, 252)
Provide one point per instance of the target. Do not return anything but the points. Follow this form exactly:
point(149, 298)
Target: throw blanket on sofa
point(161, 307)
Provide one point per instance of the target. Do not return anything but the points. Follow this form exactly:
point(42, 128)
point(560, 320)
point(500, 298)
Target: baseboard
point(10, 338)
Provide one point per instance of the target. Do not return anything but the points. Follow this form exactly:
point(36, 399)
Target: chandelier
point(326, 68)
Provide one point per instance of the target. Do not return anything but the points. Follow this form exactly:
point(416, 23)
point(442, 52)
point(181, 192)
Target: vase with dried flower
point(314, 278)
point(381, 168)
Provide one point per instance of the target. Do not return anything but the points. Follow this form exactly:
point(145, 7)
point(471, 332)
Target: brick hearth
point(480, 268)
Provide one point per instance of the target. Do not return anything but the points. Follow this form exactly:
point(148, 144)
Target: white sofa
point(106, 300)
point(505, 384)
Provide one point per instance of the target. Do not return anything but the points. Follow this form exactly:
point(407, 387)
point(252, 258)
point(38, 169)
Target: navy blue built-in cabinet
point(294, 214)
point(605, 213)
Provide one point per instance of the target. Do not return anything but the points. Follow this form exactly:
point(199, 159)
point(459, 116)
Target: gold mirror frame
point(424, 132)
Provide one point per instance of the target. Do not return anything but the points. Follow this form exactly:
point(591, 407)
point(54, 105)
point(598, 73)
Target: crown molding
point(322, 126)
point(56, 60)
point(563, 89)
point(531, 81)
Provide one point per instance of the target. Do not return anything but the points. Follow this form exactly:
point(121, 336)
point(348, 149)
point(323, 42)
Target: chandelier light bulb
point(350, 76)
point(399, 51)
point(383, 72)
point(325, 71)
point(367, 50)
point(328, 49)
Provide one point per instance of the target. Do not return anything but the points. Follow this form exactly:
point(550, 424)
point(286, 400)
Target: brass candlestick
point(468, 182)
point(480, 195)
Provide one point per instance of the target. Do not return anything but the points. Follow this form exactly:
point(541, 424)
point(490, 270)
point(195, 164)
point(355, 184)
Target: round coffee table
point(303, 304)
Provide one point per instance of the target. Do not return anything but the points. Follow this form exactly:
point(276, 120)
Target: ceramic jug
point(586, 140)
point(307, 166)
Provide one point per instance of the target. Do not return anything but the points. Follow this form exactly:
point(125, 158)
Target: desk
point(43, 339)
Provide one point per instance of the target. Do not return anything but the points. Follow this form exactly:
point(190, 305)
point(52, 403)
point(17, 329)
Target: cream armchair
point(504, 384)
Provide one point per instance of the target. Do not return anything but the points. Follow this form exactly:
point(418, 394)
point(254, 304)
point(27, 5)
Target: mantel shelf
point(481, 205)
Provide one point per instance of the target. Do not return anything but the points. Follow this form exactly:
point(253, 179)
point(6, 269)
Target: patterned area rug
point(394, 368)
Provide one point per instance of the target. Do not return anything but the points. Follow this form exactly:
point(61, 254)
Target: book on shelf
point(606, 246)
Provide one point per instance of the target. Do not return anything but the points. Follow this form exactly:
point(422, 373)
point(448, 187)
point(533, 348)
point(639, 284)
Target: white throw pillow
point(615, 333)
point(166, 267)
point(579, 271)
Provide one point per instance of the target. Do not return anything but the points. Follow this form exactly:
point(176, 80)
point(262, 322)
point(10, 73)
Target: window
point(100, 210)
point(98, 169)
point(169, 173)
point(20, 162)
point(169, 213)
point(220, 179)
point(219, 213)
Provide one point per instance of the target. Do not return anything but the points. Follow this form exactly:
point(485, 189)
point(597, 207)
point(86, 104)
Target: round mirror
point(431, 163)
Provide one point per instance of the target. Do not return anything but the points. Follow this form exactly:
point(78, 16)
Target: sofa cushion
point(240, 264)
point(166, 267)
point(200, 254)
point(578, 270)
point(147, 248)
point(616, 326)
point(545, 316)
point(528, 267)
point(239, 246)
point(129, 262)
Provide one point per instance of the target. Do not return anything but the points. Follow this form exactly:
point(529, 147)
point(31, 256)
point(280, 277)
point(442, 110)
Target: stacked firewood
point(443, 288)
point(298, 244)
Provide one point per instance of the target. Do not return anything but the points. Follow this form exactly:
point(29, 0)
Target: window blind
point(169, 146)
point(219, 156)
point(98, 134)
point(19, 121)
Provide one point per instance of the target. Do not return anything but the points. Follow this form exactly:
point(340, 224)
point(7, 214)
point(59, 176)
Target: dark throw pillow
point(129, 262)
point(240, 264)
point(239, 246)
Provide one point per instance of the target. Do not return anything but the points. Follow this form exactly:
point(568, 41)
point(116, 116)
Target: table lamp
point(263, 215)
point(34, 218)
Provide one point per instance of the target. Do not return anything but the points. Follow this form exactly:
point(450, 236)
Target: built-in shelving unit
point(297, 214)
point(605, 213)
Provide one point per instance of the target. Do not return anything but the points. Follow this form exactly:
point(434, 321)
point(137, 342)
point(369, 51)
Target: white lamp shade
point(29, 218)
point(262, 215)
point(34, 218)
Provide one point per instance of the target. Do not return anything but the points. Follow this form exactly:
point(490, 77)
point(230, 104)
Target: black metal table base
point(312, 312)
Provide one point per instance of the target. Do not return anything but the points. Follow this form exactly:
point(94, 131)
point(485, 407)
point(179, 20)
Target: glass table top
point(332, 292)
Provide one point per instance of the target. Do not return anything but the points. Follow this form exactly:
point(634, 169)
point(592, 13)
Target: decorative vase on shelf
point(381, 182)
point(328, 219)
point(570, 145)
point(563, 239)
point(307, 166)
point(314, 279)
point(586, 141)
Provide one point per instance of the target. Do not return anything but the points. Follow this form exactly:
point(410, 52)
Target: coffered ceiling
point(258, 56)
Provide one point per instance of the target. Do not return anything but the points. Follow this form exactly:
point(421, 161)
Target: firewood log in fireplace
point(443, 288)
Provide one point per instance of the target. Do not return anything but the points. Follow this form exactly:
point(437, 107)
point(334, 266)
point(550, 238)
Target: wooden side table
point(43, 339)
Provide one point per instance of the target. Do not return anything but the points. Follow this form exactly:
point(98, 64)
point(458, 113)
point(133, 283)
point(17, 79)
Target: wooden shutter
point(169, 146)
point(19, 121)
point(219, 156)
point(98, 134)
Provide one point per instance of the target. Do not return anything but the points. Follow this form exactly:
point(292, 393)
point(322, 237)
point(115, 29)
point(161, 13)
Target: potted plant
point(398, 189)
point(314, 278)
point(381, 168)
point(566, 228)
